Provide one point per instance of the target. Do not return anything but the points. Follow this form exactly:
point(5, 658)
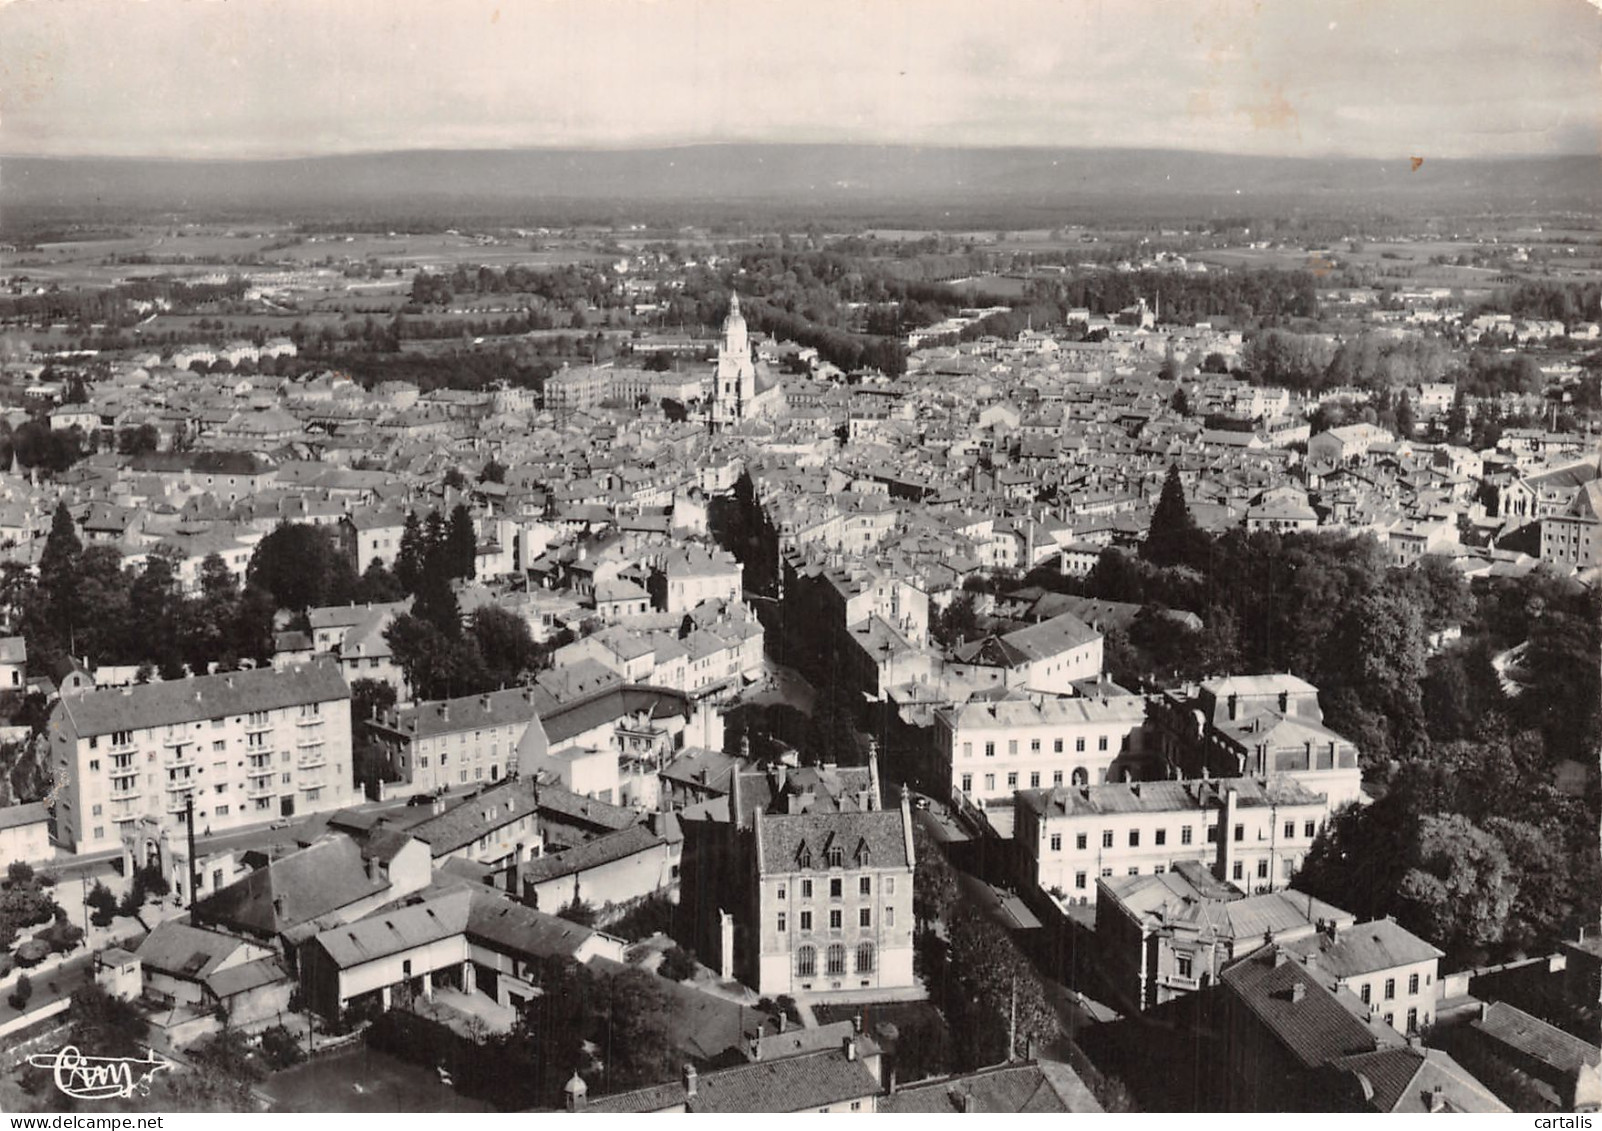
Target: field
point(366, 1081)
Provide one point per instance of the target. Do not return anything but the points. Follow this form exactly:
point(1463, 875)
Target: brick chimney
point(690, 1079)
point(1226, 836)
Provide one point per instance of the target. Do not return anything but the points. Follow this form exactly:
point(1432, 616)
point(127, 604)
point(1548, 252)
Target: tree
point(412, 554)
point(504, 642)
point(494, 472)
point(454, 479)
point(934, 882)
point(1180, 402)
point(1215, 363)
point(1406, 419)
point(58, 571)
point(677, 964)
point(102, 903)
point(301, 567)
point(21, 992)
point(957, 622)
point(995, 1002)
point(1460, 886)
point(462, 543)
point(1173, 530)
point(379, 585)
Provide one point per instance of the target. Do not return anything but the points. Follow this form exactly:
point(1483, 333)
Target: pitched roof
point(1310, 1024)
point(785, 839)
point(1364, 948)
point(1510, 1026)
point(797, 1083)
point(1005, 1090)
point(1166, 796)
point(1412, 1079)
point(294, 889)
point(184, 951)
point(246, 976)
point(603, 849)
point(204, 697)
point(31, 813)
point(392, 931)
point(510, 927)
point(474, 817)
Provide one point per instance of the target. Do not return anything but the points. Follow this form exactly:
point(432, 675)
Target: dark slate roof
point(1411, 1079)
point(1364, 948)
point(504, 925)
point(184, 951)
point(1007, 1089)
point(466, 821)
point(797, 1083)
point(603, 849)
point(31, 813)
point(246, 976)
point(1510, 1026)
point(783, 836)
point(1316, 1029)
point(609, 704)
point(203, 697)
point(394, 930)
point(295, 889)
point(565, 807)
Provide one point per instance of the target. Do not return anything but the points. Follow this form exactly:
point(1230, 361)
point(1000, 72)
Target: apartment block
point(246, 747)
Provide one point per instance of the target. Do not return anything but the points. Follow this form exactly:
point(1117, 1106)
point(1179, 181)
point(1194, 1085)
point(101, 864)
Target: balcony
point(179, 804)
point(309, 721)
point(180, 784)
point(1178, 981)
point(128, 794)
point(312, 760)
point(260, 787)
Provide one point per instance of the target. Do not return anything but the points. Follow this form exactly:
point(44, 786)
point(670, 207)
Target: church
point(742, 389)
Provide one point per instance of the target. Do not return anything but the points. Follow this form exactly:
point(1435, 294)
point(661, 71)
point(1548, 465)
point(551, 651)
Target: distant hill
point(822, 179)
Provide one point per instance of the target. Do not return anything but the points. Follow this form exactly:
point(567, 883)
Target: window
point(1012, 746)
point(865, 917)
point(1034, 746)
point(1034, 780)
point(1101, 743)
point(96, 811)
point(806, 962)
point(1134, 870)
point(1012, 781)
point(1184, 834)
point(990, 782)
point(967, 783)
point(1239, 871)
point(889, 885)
point(1056, 842)
point(222, 811)
point(1262, 868)
point(779, 894)
point(1412, 979)
point(837, 959)
point(1182, 965)
point(1390, 1019)
point(100, 831)
point(865, 957)
point(1162, 837)
point(1081, 841)
point(1056, 746)
point(1106, 873)
point(1079, 880)
point(1158, 869)
point(1390, 989)
point(1290, 830)
point(784, 923)
point(1309, 829)
point(806, 889)
point(94, 763)
point(865, 886)
point(990, 750)
point(1134, 838)
point(1240, 833)
point(1412, 1020)
point(1106, 838)
point(1212, 834)
point(889, 916)
point(967, 750)
point(1056, 777)
point(836, 919)
point(836, 888)
point(806, 920)
point(1367, 993)
point(1079, 746)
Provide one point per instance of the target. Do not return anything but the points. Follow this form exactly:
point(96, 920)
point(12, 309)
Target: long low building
point(1254, 830)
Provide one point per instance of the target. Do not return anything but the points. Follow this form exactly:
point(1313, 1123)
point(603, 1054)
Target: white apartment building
point(1387, 967)
point(247, 747)
point(449, 743)
point(686, 577)
point(1254, 830)
point(990, 750)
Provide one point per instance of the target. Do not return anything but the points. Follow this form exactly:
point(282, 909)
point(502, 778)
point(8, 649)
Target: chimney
point(961, 1100)
point(1437, 1100)
point(850, 1044)
point(1298, 991)
point(784, 1020)
point(689, 1081)
point(445, 712)
point(278, 905)
point(1226, 836)
point(374, 872)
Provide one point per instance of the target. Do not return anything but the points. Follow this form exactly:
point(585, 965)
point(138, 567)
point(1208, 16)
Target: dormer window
point(836, 858)
point(805, 857)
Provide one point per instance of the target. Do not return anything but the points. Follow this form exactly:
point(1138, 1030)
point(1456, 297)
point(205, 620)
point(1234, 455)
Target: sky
point(281, 78)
